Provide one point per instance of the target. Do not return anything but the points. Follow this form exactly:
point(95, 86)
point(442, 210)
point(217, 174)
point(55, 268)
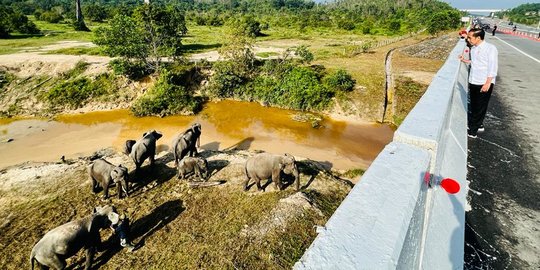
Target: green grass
point(78, 51)
point(266, 54)
point(51, 33)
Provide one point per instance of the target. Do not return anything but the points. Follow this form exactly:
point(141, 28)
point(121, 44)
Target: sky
point(487, 4)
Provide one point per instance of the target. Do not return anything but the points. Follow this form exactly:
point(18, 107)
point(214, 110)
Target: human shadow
point(244, 144)
point(214, 166)
point(143, 228)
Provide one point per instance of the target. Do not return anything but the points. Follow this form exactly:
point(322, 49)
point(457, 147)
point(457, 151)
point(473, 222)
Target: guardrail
point(392, 219)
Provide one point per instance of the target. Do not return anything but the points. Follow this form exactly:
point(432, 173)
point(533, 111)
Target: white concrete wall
point(391, 219)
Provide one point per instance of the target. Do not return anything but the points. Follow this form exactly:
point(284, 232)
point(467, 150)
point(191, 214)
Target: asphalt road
point(503, 226)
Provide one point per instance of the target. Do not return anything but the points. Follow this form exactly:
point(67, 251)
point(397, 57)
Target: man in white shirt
point(484, 64)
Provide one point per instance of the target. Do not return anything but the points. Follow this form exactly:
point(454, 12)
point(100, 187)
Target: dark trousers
point(123, 229)
point(478, 106)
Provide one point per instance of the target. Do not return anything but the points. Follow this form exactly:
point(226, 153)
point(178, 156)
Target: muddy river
point(225, 125)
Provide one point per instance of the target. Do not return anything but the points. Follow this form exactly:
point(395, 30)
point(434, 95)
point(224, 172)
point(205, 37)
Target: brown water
point(225, 125)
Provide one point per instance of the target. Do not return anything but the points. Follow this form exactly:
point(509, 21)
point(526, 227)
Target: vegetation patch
point(408, 92)
point(78, 91)
point(166, 98)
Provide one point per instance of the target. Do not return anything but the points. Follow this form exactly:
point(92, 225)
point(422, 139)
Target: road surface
point(503, 227)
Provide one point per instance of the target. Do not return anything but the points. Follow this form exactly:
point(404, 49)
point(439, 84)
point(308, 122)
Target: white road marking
point(518, 50)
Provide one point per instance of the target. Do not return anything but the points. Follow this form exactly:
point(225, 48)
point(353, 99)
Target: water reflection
point(225, 125)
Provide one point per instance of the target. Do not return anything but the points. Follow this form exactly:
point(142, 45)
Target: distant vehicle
point(486, 27)
point(510, 23)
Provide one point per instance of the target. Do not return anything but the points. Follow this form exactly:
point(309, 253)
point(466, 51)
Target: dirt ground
point(173, 221)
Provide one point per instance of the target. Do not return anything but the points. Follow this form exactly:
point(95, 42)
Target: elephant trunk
point(296, 178)
point(125, 187)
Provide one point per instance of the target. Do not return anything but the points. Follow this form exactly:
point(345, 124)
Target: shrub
point(134, 70)
point(79, 68)
point(50, 16)
point(340, 80)
point(345, 24)
point(226, 80)
point(298, 88)
point(74, 93)
point(166, 98)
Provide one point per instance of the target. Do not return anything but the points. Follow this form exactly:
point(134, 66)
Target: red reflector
point(450, 185)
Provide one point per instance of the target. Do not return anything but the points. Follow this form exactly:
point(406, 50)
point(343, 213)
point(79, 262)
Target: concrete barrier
point(392, 219)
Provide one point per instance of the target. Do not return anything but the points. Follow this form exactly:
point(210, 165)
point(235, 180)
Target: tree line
point(525, 14)
point(386, 17)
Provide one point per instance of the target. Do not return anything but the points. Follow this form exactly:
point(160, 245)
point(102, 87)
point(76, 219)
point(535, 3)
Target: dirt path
point(35, 60)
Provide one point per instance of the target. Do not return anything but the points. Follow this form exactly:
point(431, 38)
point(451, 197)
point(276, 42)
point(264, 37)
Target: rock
point(9, 140)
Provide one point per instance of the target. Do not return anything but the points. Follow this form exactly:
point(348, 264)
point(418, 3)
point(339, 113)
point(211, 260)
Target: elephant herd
point(66, 240)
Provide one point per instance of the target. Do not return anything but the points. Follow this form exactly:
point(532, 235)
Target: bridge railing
point(392, 219)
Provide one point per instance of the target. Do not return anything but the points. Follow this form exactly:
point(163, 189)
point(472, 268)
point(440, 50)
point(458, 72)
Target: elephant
point(196, 165)
point(128, 146)
point(186, 143)
point(265, 165)
point(102, 173)
point(144, 148)
point(66, 240)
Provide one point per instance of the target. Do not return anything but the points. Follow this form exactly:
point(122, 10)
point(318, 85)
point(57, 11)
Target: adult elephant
point(186, 143)
point(66, 240)
point(145, 148)
point(265, 165)
point(104, 174)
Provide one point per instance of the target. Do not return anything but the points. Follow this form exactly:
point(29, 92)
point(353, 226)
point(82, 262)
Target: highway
point(503, 225)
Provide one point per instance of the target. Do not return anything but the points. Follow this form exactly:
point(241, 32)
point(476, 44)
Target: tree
point(79, 22)
point(96, 12)
point(11, 21)
point(152, 33)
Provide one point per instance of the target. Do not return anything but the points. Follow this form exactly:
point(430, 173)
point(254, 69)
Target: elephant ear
point(115, 173)
point(289, 159)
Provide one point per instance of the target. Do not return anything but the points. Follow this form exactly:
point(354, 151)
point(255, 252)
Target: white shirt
point(484, 63)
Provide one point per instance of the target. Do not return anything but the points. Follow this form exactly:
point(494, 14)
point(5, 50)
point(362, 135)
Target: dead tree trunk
point(79, 24)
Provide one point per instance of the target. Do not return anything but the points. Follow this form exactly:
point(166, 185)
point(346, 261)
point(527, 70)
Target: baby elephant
point(265, 165)
point(66, 240)
point(102, 173)
point(196, 165)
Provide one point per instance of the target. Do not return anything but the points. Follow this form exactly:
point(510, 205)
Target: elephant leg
point(89, 257)
point(55, 262)
point(258, 182)
point(106, 192)
point(119, 190)
point(246, 183)
point(94, 185)
point(277, 181)
point(151, 158)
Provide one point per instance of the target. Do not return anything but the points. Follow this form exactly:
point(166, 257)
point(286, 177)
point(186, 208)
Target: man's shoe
point(472, 135)
point(127, 244)
point(481, 128)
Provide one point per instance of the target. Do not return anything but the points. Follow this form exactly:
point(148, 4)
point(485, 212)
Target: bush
point(74, 93)
point(298, 88)
point(166, 98)
point(340, 80)
point(134, 70)
point(50, 16)
point(345, 24)
point(226, 80)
